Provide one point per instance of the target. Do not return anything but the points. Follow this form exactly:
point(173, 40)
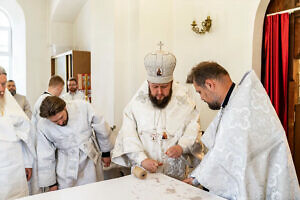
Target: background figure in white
point(21, 100)
point(160, 123)
point(16, 147)
point(74, 93)
point(67, 150)
point(248, 155)
point(55, 87)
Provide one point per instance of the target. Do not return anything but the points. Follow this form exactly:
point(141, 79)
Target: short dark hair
point(51, 105)
point(10, 80)
point(206, 70)
point(73, 79)
point(56, 80)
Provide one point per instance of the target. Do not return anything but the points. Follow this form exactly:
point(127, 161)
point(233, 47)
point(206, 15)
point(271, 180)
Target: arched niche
point(258, 36)
point(18, 27)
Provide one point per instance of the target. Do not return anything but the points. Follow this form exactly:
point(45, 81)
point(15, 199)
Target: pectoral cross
point(160, 44)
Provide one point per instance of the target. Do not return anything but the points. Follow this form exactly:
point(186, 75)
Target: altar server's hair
point(51, 105)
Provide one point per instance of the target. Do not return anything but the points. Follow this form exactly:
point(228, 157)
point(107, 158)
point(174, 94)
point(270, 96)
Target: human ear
point(210, 84)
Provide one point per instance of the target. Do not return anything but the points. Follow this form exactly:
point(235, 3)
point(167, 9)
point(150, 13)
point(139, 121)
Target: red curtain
point(275, 63)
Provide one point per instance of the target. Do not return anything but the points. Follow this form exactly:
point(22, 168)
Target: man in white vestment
point(248, 155)
point(74, 93)
point(67, 150)
point(160, 123)
point(21, 100)
point(16, 147)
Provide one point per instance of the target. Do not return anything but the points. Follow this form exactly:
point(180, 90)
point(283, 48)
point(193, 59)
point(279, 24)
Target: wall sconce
point(206, 24)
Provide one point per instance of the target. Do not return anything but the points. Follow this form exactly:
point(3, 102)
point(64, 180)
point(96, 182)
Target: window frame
point(8, 53)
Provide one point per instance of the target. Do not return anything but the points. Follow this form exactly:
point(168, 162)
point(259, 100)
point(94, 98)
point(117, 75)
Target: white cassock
point(73, 96)
point(36, 111)
point(141, 134)
point(68, 154)
point(248, 154)
point(17, 150)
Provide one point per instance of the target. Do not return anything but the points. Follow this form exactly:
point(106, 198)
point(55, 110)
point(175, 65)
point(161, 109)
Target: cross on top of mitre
point(160, 44)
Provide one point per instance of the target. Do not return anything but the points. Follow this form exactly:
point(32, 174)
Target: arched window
point(5, 43)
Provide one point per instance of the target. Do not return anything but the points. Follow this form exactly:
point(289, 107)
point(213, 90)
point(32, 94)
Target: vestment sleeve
point(192, 128)
point(46, 160)
point(101, 128)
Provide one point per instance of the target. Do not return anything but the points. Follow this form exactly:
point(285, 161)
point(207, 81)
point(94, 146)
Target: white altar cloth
point(154, 187)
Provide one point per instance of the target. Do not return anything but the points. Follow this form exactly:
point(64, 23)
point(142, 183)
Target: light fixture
point(206, 24)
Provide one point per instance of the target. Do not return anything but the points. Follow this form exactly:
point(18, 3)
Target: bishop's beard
point(2, 103)
point(160, 103)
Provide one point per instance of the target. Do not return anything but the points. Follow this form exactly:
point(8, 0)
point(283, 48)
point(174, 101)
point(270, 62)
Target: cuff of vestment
point(185, 149)
point(195, 181)
point(46, 179)
point(28, 165)
point(105, 154)
point(141, 157)
point(56, 184)
point(137, 157)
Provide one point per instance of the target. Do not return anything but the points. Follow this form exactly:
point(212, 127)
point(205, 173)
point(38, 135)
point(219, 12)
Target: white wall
point(103, 57)
point(61, 37)
point(82, 29)
point(229, 41)
point(119, 33)
point(37, 48)
point(139, 25)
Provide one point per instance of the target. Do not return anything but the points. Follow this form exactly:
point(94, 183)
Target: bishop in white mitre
point(160, 123)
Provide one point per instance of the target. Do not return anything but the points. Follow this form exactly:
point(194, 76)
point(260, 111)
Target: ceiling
point(65, 10)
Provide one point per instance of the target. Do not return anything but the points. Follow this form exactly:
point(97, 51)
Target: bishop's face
point(2, 85)
point(160, 93)
point(60, 118)
point(160, 90)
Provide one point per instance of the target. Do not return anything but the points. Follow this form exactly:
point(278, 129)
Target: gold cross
point(160, 44)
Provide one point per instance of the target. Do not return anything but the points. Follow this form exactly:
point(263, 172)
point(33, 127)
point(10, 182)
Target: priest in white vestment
point(248, 155)
point(55, 87)
point(74, 93)
point(160, 123)
point(67, 149)
point(16, 147)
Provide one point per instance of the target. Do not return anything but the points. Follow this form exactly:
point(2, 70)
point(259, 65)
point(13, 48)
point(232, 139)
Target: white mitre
point(160, 66)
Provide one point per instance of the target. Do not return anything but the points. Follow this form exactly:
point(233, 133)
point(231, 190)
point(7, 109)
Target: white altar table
point(154, 187)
